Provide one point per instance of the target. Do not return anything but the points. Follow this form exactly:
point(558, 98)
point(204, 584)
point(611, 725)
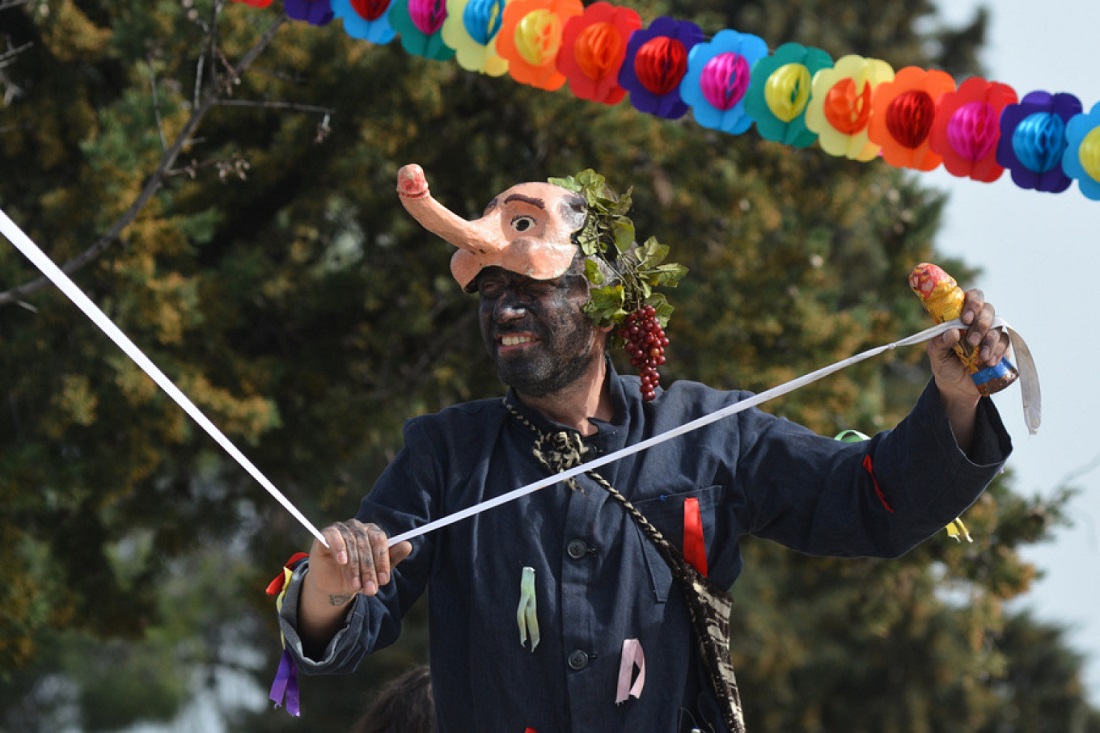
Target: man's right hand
point(357, 560)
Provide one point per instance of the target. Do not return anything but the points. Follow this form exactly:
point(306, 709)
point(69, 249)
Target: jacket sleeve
point(346, 649)
point(878, 498)
point(402, 499)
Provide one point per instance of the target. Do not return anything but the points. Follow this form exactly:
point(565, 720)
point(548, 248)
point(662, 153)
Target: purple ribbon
point(286, 684)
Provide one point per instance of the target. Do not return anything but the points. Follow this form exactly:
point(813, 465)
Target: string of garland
point(853, 107)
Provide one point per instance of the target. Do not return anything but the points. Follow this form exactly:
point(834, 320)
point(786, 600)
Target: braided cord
point(708, 606)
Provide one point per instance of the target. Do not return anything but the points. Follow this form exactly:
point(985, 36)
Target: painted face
point(535, 330)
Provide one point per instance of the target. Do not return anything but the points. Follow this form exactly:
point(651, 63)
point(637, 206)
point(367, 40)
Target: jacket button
point(578, 660)
point(576, 549)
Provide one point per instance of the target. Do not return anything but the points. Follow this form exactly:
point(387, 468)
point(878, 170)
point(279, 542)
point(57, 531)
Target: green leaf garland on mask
point(638, 270)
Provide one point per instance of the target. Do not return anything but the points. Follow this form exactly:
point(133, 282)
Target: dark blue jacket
point(598, 580)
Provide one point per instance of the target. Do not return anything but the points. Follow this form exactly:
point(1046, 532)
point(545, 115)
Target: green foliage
point(914, 644)
point(1038, 662)
point(276, 278)
point(635, 270)
point(638, 271)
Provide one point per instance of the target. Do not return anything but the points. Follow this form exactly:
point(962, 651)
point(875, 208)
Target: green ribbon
point(526, 614)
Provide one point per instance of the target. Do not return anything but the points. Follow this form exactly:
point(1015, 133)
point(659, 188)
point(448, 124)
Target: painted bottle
point(943, 299)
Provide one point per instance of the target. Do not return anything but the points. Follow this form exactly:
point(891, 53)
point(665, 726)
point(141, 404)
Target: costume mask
point(526, 229)
point(536, 229)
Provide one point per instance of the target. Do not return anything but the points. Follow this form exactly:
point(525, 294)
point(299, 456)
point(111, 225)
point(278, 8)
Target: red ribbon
point(870, 468)
point(275, 587)
point(695, 548)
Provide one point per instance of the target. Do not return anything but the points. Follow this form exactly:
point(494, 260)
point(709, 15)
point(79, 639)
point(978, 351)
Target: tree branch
point(156, 180)
point(156, 102)
point(8, 56)
point(290, 106)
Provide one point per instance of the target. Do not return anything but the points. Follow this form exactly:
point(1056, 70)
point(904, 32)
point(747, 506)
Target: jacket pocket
point(665, 511)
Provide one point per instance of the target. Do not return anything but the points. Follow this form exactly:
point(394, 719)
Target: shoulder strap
point(708, 605)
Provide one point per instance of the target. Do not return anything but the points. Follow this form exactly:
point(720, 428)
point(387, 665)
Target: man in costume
point(597, 604)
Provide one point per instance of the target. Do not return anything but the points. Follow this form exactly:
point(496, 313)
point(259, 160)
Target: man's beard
point(560, 359)
point(542, 376)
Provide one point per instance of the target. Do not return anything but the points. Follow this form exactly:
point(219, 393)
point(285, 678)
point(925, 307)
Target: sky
point(1039, 254)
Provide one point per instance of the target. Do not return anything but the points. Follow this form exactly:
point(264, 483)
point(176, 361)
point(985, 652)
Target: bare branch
point(212, 47)
point(198, 80)
point(11, 90)
point(1077, 473)
point(291, 106)
point(236, 166)
point(156, 103)
point(156, 180)
point(11, 53)
point(200, 65)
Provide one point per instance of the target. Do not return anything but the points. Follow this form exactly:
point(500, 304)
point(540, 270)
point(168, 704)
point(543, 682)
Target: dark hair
point(574, 211)
point(404, 705)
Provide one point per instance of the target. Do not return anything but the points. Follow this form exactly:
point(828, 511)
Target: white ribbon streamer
point(1029, 389)
point(1029, 380)
point(24, 244)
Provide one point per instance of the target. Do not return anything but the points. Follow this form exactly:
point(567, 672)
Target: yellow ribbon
point(957, 528)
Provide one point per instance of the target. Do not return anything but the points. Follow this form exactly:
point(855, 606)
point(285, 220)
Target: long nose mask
point(526, 229)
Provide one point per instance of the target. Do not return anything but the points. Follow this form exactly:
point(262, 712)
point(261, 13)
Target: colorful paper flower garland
point(593, 48)
point(718, 76)
point(365, 19)
point(857, 108)
point(840, 106)
point(1033, 140)
point(531, 37)
point(314, 12)
point(1082, 157)
point(779, 93)
point(656, 63)
point(967, 128)
point(471, 29)
point(902, 115)
point(419, 23)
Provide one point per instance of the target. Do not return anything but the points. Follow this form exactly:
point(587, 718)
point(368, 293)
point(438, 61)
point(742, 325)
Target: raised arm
point(957, 390)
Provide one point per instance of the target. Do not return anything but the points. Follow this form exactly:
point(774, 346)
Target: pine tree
point(222, 180)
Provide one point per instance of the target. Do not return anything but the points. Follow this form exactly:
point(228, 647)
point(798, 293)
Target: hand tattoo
point(337, 599)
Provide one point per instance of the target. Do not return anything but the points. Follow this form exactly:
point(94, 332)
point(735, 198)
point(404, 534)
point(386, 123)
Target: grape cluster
point(645, 343)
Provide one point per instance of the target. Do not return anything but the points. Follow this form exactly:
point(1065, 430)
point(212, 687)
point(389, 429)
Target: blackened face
point(535, 330)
